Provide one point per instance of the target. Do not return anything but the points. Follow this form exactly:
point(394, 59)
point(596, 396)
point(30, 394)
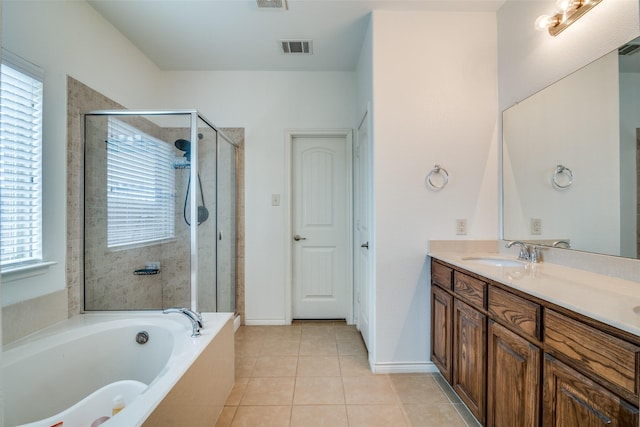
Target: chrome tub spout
point(193, 316)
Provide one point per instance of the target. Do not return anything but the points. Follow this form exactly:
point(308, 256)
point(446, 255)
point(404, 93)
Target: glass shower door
point(205, 192)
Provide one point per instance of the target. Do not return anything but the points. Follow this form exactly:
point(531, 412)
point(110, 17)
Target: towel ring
point(561, 169)
point(437, 170)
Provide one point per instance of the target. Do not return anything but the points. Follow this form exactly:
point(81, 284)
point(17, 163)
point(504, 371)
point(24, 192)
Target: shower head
point(184, 145)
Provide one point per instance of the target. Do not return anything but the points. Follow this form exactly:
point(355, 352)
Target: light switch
point(275, 200)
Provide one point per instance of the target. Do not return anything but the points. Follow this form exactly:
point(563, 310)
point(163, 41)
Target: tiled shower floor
point(316, 374)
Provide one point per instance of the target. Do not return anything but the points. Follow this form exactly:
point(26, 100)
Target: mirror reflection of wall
point(629, 60)
point(574, 122)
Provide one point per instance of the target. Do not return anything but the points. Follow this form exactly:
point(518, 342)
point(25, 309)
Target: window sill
point(25, 271)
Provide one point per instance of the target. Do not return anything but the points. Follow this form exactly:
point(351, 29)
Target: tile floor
point(316, 374)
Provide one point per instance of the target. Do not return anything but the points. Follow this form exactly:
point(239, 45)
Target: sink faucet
point(527, 252)
point(193, 316)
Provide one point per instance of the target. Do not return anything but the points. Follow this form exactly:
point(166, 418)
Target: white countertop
point(607, 299)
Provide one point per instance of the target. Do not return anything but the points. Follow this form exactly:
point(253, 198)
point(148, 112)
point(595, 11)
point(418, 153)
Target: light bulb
point(543, 22)
point(563, 5)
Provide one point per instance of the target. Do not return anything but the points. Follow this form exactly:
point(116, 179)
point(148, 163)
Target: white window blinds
point(140, 187)
point(20, 162)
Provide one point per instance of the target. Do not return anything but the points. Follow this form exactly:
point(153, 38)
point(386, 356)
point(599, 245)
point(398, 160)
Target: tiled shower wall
point(118, 287)
point(109, 280)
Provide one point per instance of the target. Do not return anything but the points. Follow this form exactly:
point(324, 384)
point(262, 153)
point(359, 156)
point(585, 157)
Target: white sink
point(495, 262)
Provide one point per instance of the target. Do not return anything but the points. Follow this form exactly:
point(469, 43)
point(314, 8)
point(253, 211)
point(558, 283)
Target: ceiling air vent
point(272, 4)
point(297, 47)
point(629, 49)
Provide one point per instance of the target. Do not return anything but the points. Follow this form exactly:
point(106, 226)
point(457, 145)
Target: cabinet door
point(469, 350)
point(441, 318)
point(514, 369)
point(571, 399)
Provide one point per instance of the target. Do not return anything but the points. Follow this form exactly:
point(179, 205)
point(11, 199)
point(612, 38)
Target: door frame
point(290, 135)
point(366, 117)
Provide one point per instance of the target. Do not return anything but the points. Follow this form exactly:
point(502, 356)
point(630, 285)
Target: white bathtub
point(71, 372)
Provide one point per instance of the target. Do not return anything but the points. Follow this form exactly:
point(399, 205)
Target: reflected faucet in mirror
point(561, 244)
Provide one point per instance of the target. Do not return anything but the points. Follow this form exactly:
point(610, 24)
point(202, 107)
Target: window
point(140, 187)
point(21, 85)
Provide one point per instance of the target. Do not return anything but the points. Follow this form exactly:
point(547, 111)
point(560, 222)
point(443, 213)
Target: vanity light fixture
point(568, 12)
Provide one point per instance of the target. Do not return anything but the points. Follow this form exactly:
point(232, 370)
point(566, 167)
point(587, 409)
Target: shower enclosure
point(160, 202)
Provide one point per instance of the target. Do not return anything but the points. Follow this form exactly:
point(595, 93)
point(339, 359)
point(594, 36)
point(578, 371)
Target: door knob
point(365, 245)
point(297, 237)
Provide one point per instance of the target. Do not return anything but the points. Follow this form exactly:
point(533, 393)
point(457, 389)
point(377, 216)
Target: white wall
point(435, 101)
point(68, 38)
point(364, 74)
point(265, 104)
point(530, 60)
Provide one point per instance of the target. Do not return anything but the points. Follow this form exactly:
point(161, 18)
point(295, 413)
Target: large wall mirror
point(570, 160)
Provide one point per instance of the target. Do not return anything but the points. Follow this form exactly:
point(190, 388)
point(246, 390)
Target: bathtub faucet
point(195, 317)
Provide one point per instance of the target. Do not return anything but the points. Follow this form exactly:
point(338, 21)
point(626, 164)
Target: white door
point(363, 231)
point(320, 227)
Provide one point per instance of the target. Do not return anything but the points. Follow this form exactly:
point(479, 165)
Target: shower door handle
point(365, 245)
point(298, 237)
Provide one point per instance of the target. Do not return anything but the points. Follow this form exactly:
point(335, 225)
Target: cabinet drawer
point(441, 275)
point(593, 352)
point(517, 313)
point(470, 289)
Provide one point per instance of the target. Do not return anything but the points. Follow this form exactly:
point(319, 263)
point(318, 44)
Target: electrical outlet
point(536, 226)
point(275, 200)
point(461, 227)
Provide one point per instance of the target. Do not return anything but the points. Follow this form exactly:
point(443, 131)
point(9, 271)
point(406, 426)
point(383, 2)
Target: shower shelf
point(146, 271)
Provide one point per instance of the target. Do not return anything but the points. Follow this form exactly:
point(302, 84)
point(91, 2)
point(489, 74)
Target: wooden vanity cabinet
point(442, 275)
point(469, 352)
point(441, 337)
point(470, 342)
point(609, 360)
point(590, 376)
point(513, 379)
point(459, 334)
point(514, 360)
point(442, 318)
point(571, 399)
point(490, 344)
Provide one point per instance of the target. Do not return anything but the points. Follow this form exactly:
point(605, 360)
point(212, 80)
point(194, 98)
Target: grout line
point(343, 338)
point(399, 402)
point(459, 406)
